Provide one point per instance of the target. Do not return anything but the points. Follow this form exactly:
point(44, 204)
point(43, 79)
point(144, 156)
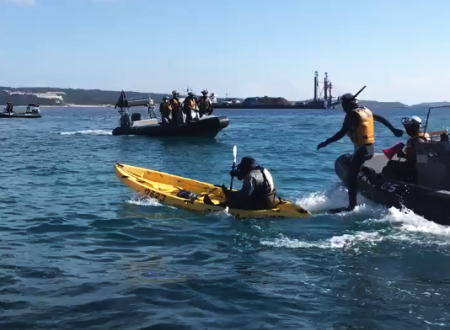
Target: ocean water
point(79, 249)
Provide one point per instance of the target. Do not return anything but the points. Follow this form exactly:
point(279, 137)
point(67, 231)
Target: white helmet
point(414, 120)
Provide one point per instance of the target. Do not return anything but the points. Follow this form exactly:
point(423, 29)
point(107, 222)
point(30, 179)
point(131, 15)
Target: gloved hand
point(234, 172)
point(321, 145)
point(398, 132)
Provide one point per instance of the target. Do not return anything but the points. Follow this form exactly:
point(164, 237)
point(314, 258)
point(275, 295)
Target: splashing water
point(346, 241)
point(89, 132)
point(144, 201)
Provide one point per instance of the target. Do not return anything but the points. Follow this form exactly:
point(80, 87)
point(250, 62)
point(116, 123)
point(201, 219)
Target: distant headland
point(68, 96)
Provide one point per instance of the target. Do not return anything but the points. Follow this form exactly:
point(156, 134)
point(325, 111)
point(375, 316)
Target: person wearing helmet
point(359, 126)
point(258, 189)
point(205, 104)
point(165, 108)
point(175, 105)
point(405, 168)
point(190, 105)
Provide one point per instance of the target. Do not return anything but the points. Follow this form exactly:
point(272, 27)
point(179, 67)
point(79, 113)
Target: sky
point(399, 49)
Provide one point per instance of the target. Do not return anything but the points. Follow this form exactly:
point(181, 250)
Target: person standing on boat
point(205, 104)
point(9, 107)
point(166, 110)
point(190, 105)
point(258, 188)
point(406, 170)
point(359, 126)
point(175, 104)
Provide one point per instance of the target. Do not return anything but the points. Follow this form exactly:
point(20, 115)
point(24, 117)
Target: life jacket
point(263, 197)
point(175, 103)
point(190, 103)
point(364, 132)
point(204, 104)
point(165, 108)
point(410, 150)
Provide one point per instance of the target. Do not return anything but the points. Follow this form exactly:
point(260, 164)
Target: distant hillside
point(431, 104)
point(64, 96)
point(385, 105)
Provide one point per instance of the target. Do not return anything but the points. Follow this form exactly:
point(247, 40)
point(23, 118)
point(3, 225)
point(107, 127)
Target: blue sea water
point(79, 250)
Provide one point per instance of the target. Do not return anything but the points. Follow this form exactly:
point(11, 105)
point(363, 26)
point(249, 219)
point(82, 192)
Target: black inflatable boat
point(31, 112)
point(205, 127)
point(429, 197)
point(19, 115)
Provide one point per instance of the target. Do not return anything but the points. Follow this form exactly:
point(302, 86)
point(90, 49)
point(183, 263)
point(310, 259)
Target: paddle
point(234, 165)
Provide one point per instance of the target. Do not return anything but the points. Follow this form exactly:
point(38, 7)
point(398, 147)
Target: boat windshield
point(439, 121)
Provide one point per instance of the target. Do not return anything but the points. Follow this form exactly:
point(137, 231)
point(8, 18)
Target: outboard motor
point(433, 164)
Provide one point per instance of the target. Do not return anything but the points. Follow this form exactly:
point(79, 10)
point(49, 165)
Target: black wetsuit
point(360, 155)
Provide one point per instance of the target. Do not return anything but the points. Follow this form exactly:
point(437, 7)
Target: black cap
point(349, 99)
point(247, 163)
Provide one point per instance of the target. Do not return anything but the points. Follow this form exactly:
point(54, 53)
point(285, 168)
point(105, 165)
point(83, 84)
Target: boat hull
point(19, 115)
point(166, 188)
point(430, 203)
point(206, 127)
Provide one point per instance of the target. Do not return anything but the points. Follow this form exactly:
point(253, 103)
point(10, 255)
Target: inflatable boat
point(204, 127)
point(429, 196)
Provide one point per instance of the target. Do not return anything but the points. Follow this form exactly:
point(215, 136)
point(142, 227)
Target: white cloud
point(21, 2)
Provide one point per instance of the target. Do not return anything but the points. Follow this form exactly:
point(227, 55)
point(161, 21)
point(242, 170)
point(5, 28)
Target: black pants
point(360, 155)
point(165, 119)
point(235, 201)
point(177, 117)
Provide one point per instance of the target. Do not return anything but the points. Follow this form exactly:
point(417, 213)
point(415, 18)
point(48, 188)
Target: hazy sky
point(399, 49)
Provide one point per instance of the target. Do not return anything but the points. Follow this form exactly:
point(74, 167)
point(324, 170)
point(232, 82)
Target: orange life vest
point(165, 108)
point(190, 103)
point(175, 103)
point(364, 132)
point(204, 104)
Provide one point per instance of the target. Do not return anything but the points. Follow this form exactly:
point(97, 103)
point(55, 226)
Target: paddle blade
point(234, 153)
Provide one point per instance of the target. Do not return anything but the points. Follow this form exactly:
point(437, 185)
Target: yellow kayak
point(190, 194)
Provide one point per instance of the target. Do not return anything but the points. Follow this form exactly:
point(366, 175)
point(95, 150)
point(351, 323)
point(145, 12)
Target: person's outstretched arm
point(397, 132)
point(347, 124)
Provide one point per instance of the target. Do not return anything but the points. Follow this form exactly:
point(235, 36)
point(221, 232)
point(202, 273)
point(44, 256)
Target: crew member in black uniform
point(359, 126)
point(258, 189)
point(405, 170)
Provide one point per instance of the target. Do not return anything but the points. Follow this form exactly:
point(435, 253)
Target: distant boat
point(208, 126)
point(269, 103)
point(32, 111)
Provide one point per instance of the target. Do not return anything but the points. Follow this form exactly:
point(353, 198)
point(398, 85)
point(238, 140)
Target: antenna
point(359, 92)
point(428, 114)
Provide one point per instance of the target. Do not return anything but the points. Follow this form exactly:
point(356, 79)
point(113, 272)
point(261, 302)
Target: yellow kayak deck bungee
point(190, 194)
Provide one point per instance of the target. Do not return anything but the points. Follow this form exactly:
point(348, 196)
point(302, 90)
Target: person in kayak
point(359, 126)
point(258, 189)
point(165, 108)
point(189, 106)
point(175, 104)
point(406, 170)
point(204, 104)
